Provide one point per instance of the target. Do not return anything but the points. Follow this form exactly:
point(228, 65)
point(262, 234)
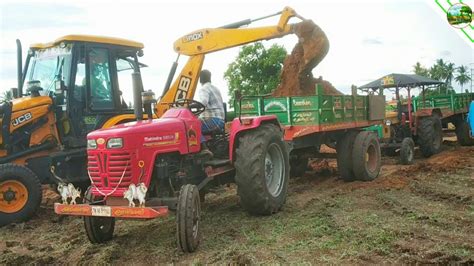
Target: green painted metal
point(456, 102)
point(307, 110)
point(377, 129)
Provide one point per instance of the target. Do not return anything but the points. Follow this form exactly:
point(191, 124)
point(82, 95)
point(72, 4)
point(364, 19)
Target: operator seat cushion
point(217, 130)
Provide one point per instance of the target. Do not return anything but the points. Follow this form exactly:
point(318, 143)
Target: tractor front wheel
point(98, 229)
point(20, 193)
point(407, 151)
point(262, 170)
point(188, 217)
point(463, 134)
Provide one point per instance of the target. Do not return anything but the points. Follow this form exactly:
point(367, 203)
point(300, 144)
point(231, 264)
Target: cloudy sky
point(368, 38)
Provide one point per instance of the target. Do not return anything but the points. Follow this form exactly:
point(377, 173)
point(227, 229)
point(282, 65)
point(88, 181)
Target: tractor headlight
point(115, 143)
point(91, 144)
point(388, 122)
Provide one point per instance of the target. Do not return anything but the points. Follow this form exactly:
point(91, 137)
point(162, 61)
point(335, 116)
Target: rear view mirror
point(59, 86)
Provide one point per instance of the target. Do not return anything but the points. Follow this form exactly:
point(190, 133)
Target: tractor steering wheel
point(194, 106)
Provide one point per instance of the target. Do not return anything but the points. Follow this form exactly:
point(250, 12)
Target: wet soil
point(297, 77)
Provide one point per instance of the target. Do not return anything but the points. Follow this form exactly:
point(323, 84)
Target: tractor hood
point(139, 128)
point(178, 130)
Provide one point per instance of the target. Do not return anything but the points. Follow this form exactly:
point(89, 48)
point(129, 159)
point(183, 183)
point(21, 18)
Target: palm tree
point(462, 77)
point(449, 73)
point(420, 70)
point(438, 70)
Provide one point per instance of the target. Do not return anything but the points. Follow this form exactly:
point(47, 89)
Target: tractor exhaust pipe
point(170, 77)
point(19, 69)
point(137, 95)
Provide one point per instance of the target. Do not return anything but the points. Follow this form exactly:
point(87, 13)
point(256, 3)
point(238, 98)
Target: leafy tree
point(462, 76)
point(255, 71)
point(6, 96)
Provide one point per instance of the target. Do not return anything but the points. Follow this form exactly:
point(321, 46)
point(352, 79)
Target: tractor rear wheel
point(366, 156)
point(344, 155)
point(20, 193)
point(188, 217)
point(407, 151)
point(262, 170)
point(98, 229)
point(463, 134)
point(430, 135)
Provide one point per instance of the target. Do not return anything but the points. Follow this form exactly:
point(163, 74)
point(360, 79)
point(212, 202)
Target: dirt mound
point(296, 77)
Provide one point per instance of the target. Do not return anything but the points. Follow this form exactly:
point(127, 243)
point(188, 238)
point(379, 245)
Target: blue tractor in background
point(470, 118)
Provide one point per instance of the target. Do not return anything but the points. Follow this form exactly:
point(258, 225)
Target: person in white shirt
point(213, 116)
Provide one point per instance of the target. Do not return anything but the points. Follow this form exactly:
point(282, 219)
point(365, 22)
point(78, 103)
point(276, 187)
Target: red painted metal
point(410, 115)
point(115, 211)
point(177, 131)
point(293, 132)
point(251, 123)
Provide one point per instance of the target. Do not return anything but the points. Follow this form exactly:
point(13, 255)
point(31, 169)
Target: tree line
point(446, 72)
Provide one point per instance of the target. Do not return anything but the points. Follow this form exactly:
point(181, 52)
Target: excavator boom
point(201, 42)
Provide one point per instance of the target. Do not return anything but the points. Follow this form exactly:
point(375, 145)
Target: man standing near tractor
point(212, 119)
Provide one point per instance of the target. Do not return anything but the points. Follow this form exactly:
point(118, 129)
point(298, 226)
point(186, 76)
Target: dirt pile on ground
point(296, 77)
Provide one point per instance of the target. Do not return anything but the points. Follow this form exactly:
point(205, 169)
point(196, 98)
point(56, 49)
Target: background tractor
point(419, 120)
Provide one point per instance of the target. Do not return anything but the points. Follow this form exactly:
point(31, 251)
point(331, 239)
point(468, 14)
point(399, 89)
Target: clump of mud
point(296, 77)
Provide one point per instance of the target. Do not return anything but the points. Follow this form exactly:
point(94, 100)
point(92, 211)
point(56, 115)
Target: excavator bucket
point(312, 47)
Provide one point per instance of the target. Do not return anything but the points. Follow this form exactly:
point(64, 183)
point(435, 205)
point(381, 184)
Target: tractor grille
point(107, 167)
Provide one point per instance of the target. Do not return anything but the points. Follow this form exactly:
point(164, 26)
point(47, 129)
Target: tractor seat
point(215, 131)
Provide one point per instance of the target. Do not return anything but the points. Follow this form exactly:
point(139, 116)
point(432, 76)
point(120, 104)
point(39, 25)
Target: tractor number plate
point(101, 211)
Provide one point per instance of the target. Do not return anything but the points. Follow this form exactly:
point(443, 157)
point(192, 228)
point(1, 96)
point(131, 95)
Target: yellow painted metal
point(198, 43)
point(28, 102)
point(89, 38)
point(21, 196)
point(120, 119)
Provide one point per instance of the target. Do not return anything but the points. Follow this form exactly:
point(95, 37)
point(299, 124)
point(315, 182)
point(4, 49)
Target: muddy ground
point(423, 213)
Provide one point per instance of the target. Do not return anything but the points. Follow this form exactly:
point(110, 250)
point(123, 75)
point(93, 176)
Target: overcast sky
point(368, 39)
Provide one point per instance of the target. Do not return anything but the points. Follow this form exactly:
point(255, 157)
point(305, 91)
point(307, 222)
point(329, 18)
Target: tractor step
point(217, 162)
point(111, 211)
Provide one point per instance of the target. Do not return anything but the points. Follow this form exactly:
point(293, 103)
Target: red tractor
point(158, 162)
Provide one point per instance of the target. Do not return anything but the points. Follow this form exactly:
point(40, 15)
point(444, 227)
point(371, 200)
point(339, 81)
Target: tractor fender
point(247, 123)
point(429, 112)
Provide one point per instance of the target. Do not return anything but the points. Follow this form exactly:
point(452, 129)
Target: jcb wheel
point(430, 135)
point(366, 156)
point(407, 151)
point(262, 170)
point(188, 217)
point(20, 193)
point(463, 134)
point(98, 229)
point(344, 155)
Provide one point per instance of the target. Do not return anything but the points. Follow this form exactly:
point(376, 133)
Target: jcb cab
point(67, 89)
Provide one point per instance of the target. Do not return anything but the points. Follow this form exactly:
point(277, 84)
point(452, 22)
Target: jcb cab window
point(100, 84)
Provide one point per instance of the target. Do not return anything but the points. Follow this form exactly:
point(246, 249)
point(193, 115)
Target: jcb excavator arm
point(198, 43)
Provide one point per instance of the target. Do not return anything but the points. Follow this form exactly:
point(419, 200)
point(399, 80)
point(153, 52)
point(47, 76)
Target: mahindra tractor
point(145, 168)
point(159, 161)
